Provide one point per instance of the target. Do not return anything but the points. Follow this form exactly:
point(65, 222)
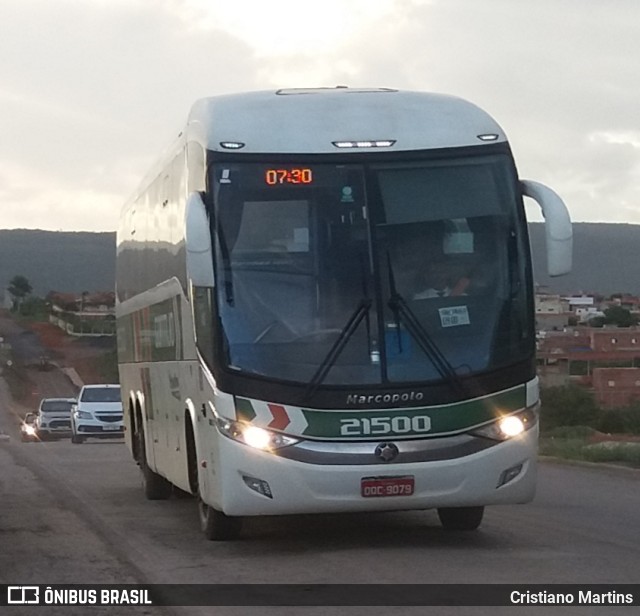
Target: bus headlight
point(256, 437)
point(253, 436)
point(509, 426)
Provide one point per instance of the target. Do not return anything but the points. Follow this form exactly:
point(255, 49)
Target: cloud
point(287, 27)
point(85, 108)
point(113, 85)
point(551, 73)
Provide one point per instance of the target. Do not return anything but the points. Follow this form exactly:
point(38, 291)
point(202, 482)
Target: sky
point(92, 91)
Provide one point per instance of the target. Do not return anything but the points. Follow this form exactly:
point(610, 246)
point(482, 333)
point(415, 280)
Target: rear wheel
point(217, 526)
point(156, 487)
point(461, 518)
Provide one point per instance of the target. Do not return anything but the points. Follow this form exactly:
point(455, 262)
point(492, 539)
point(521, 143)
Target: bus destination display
point(295, 175)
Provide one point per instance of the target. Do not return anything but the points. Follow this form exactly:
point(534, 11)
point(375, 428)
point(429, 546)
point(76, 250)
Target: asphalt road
point(76, 514)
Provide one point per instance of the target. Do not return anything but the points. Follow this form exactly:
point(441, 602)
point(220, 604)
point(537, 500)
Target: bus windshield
point(347, 274)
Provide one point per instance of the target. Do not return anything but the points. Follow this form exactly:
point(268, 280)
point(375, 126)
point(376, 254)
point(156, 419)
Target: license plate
point(376, 487)
point(111, 428)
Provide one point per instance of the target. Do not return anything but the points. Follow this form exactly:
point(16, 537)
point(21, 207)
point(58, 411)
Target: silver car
point(54, 417)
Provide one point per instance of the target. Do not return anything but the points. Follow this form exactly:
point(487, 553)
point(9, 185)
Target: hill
point(58, 260)
point(604, 259)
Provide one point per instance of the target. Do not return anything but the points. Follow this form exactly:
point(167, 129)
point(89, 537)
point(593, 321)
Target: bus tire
point(217, 526)
point(460, 518)
point(156, 487)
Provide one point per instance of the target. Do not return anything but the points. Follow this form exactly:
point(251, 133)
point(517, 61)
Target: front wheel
point(461, 518)
point(217, 526)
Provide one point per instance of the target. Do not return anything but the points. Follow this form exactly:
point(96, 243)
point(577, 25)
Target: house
point(85, 314)
point(551, 311)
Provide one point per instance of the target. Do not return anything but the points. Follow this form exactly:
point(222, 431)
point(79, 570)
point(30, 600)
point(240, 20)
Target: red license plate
point(376, 487)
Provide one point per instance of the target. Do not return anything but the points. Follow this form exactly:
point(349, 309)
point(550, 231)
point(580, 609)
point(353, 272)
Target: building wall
point(615, 339)
point(616, 387)
point(552, 322)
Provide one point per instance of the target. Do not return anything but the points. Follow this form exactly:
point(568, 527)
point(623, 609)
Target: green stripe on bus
point(244, 410)
point(403, 423)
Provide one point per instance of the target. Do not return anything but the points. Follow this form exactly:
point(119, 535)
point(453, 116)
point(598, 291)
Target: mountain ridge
point(77, 261)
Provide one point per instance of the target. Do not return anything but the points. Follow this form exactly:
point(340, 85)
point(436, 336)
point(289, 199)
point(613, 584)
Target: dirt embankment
point(88, 356)
point(83, 360)
point(68, 352)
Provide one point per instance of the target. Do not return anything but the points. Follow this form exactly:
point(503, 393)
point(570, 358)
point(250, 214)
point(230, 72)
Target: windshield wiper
point(402, 312)
point(361, 312)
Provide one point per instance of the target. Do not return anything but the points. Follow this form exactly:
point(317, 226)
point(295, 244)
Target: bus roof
point(312, 120)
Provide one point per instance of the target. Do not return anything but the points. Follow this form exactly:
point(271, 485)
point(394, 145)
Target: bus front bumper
point(254, 482)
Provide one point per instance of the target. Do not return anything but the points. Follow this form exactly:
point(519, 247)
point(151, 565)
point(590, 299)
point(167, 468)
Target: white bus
point(325, 304)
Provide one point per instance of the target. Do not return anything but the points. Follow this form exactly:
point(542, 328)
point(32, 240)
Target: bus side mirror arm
point(198, 243)
point(558, 232)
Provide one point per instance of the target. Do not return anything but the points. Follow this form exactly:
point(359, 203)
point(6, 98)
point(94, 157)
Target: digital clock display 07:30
point(294, 175)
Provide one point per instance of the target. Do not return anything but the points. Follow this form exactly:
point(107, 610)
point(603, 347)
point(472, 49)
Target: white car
point(97, 414)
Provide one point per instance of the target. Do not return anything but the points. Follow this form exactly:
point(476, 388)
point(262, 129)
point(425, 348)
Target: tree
point(617, 315)
point(19, 288)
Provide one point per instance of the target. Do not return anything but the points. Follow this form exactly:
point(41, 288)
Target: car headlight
point(508, 426)
point(253, 436)
point(30, 430)
point(84, 415)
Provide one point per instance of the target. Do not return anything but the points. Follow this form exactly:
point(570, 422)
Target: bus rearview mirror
point(558, 232)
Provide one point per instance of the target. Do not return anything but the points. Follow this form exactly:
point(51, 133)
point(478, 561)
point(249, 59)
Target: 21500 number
point(378, 426)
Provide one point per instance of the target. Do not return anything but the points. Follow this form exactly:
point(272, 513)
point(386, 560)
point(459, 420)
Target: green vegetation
point(14, 375)
point(17, 380)
point(569, 405)
point(19, 288)
point(574, 427)
point(25, 306)
point(108, 367)
point(576, 448)
point(615, 315)
point(32, 309)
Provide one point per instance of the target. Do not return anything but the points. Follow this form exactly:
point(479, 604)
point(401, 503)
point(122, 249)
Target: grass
point(573, 443)
point(625, 453)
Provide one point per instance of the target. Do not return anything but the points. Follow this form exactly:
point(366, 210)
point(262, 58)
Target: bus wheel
point(460, 518)
point(156, 487)
point(217, 526)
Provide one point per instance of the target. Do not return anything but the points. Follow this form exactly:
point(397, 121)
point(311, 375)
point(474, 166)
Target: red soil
point(70, 352)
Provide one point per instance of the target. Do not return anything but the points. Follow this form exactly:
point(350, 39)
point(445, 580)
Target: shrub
point(568, 405)
point(620, 421)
